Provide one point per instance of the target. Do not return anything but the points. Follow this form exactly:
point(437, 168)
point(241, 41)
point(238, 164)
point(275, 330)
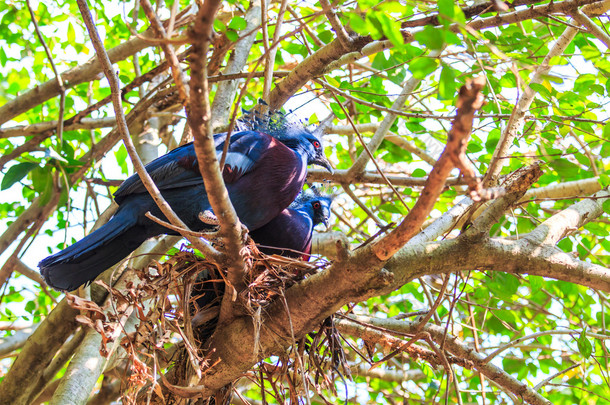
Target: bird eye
point(316, 144)
point(316, 205)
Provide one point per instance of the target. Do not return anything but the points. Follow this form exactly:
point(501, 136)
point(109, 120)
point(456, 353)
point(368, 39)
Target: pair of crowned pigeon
point(265, 171)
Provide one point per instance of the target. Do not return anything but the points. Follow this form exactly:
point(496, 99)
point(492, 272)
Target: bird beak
point(326, 217)
point(321, 160)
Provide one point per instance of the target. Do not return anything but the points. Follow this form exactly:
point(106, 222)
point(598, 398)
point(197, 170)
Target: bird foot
point(208, 217)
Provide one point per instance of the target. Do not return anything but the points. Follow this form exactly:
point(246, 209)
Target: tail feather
point(86, 259)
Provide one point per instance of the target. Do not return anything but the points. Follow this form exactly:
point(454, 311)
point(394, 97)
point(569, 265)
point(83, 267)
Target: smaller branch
point(271, 52)
point(314, 65)
point(30, 273)
point(384, 127)
point(408, 146)
point(60, 82)
point(575, 216)
point(16, 341)
point(30, 129)
point(391, 110)
point(587, 151)
point(395, 376)
point(537, 335)
point(432, 311)
point(199, 120)
point(29, 146)
point(469, 12)
point(151, 187)
point(363, 206)
point(568, 189)
point(370, 177)
point(168, 49)
point(593, 28)
point(557, 374)
point(342, 34)
point(470, 99)
point(369, 154)
point(390, 136)
point(516, 184)
point(461, 350)
point(225, 92)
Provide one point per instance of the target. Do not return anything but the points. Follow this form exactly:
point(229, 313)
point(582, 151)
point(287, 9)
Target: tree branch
point(384, 127)
point(124, 132)
point(225, 93)
point(517, 117)
point(373, 177)
point(470, 100)
point(575, 216)
point(71, 78)
point(198, 118)
point(460, 349)
point(313, 66)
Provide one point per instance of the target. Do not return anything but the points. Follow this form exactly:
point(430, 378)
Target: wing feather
point(179, 167)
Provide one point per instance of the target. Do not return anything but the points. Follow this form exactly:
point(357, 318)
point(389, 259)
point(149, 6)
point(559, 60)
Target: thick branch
point(526, 257)
point(556, 227)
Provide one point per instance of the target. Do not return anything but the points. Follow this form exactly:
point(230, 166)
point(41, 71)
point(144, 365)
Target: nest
point(177, 304)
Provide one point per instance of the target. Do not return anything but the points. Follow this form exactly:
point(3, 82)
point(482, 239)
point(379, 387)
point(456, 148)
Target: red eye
point(316, 144)
point(316, 205)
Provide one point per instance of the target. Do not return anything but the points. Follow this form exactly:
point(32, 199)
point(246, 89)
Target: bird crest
point(315, 191)
point(275, 123)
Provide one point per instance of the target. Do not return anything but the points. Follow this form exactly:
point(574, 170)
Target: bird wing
point(179, 168)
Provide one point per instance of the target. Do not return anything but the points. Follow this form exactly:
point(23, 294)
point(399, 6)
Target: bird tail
point(86, 259)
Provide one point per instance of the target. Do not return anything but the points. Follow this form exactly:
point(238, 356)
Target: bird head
point(321, 210)
point(293, 134)
point(315, 204)
point(315, 152)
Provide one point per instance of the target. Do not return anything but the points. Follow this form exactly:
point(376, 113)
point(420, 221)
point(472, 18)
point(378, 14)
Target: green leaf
point(232, 35)
point(431, 37)
point(446, 8)
point(541, 89)
point(16, 173)
point(536, 283)
point(606, 206)
point(422, 67)
point(42, 180)
point(238, 23)
point(121, 158)
point(3, 57)
point(219, 26)
point(565, 168)
point(391, 29)
point(584, 346)
point(606, 131)
point(419, 173)
point(597, 229)
point(30, 306)
point(446, 84)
